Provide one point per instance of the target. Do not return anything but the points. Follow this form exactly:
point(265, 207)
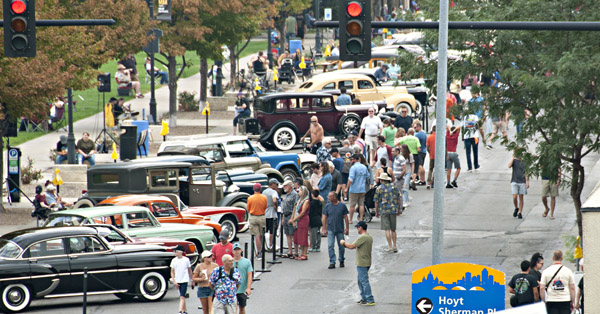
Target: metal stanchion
point(281, 236)
point(252, 256)
point(246, 250)
point(85, 277)
point(262, 254)
point(274, 261)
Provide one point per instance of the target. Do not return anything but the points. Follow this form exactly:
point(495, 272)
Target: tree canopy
point(547, 79)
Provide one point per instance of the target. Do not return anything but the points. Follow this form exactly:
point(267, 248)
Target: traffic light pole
point(152, 83)
point(318, 32)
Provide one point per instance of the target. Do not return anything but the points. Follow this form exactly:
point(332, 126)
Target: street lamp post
point(318, 32)
point(152, 83)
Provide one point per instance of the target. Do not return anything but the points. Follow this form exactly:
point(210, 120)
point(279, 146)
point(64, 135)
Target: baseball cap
point(180, 248)
point(333, 150)
point(63, 139)
point(354, 133)
point(274, 181)
point(257, 187)
point(224, 235)
point(356, 156)
point(206, 253)
point(287, 182)
point(362, 224)
point(237, 246)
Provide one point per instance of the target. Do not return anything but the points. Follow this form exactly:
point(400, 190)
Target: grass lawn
point(88, 100)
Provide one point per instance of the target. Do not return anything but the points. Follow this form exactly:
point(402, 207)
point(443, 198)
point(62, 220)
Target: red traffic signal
point(354, 9)
point(18, 6)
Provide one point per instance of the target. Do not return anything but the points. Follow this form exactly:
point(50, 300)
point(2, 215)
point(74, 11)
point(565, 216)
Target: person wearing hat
point(242, 110)
point(257, 206)
point(364, 246)
point(244, 266)
point(53, 200)
point(181, 274)
point(41, 208)
point(61, 150)
point(287, 208)
point(387, 201)
point(272, 195)
point(382, 74)
point(200, 277)
point(223, 247)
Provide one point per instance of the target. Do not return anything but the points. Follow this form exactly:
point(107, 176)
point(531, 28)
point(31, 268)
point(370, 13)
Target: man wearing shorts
point(371, 125)
point(357, 181)
point(498, 125)
point(519, 184)
point(257, 206)
point(414, 145)
point(181, 273)
point(244, 266)
point(550, 183)
point(387, 201)
point(452, 156)
point(271, 212)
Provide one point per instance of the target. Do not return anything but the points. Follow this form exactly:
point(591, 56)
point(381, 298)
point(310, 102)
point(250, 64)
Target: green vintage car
point(135, 221)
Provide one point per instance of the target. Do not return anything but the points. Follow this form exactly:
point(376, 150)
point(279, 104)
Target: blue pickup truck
point(236, 153)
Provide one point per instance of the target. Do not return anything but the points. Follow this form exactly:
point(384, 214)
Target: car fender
point(231, 198)
point(270, 172)
point(283, 164)
point(279, 124)
point(395, 99)
point(307, 158)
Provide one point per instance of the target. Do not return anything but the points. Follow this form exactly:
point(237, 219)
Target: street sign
point(327, 14)
point(154, 45)
point(457, 288)
point(164, 10)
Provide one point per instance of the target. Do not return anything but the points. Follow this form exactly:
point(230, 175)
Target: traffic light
point(19, 28)
point(355, 30)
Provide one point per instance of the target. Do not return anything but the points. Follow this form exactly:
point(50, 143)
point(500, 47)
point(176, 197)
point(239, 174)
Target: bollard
point(85, 277)
point(274, 260)
point(252, 256)
point(246, 250)
point(281, 236)
point(262, 253)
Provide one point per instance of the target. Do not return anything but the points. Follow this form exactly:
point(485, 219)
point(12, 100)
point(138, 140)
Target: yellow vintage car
point(363, 88)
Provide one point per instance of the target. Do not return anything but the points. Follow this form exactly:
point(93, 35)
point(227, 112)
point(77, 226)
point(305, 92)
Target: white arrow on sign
point(423, 307)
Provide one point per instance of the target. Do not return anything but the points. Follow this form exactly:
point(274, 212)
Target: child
point(181, 273)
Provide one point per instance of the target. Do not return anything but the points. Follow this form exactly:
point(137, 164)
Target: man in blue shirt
point(357, 186)
point(422, 136)
point(381, 74)
point(343, 99)
point(334, 216)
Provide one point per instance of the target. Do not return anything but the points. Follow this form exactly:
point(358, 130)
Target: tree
point(68, 56)
point(550, 75)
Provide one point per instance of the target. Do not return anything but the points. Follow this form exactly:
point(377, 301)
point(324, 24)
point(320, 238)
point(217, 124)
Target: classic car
point(200, 188)
point(333, 63)
point(364, 88)
point(237, 153)
point(414, 87)
point(134, 221)
point(50, 262)
point(166, 211)
point(116, 237)
point(283, 118)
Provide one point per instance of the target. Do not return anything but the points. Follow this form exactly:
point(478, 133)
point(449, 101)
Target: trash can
point(128, 142)
point(142, 125)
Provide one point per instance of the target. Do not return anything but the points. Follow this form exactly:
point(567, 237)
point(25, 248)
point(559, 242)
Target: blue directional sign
point(457, 288)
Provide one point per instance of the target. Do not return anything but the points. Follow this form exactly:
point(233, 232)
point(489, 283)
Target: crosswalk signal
point(355, 30)
point(19, 28)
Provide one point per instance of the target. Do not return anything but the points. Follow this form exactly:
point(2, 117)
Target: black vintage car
point(50, 263)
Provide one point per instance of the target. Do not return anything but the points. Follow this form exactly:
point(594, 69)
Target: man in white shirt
point(181, 273)
point(558, 283)
point(371, 125)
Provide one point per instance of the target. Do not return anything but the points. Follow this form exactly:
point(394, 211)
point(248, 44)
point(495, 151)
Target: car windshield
point(63, 220)
point(261, 105)
point(9, 249)
point(212, 152)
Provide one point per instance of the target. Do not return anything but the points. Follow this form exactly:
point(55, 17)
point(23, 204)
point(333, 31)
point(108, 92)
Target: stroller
point(286, 72)
point(369, 204)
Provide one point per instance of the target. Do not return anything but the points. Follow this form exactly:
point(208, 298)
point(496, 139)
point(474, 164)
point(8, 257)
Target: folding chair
point(147, 77)
point(38, 122)
point(59, 121)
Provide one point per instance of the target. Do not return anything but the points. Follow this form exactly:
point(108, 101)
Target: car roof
point(208, 141)
point(138, 165)
point(100, 210)
point(292, 95)
point(327, 77)
point(26, 237)
point(135, 198)
point(174, 158)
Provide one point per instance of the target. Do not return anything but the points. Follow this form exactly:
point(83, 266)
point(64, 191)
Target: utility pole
point(152, 84)
point(318, 32)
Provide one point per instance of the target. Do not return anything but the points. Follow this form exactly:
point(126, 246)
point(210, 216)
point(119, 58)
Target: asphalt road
point(479, 228)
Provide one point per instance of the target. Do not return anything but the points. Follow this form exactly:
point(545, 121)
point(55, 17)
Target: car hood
point(168, 229)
